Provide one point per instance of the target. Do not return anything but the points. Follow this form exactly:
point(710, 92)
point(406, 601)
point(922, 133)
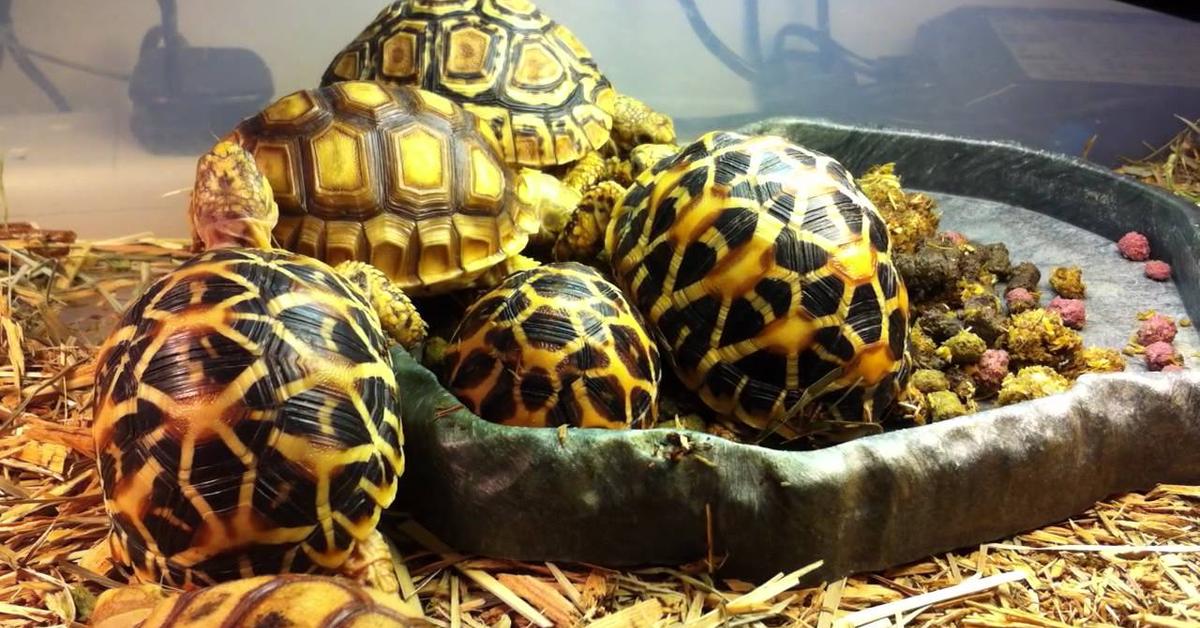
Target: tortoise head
point(232, 203)
point(635, 123)
point(126, 606)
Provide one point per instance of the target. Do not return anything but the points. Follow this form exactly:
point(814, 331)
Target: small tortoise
point(291, 600)
point(399, 177)
point(768, 277)
point(555, 345)
point(244, 414)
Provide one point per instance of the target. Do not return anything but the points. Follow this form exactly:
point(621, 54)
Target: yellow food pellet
point(1068, 282)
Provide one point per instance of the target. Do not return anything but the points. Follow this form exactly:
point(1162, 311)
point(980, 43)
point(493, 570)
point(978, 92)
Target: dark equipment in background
point(184, 97)
point(1049, 78)
point(24, 57)
point(1055, 79)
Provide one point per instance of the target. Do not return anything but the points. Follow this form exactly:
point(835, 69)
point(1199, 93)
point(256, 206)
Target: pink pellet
point(1157, 328)
point(1160, 355)
point(993, 366)
point(955, 238)
point(1158, 270)
point(1134, 246)
point(1019, 300)
point(1071, 310)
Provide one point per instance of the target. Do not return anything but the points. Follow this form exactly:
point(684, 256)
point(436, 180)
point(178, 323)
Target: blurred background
point(104, 106)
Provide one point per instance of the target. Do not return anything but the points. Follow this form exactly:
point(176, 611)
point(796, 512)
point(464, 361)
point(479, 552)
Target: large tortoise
point(528, 76)
point(245, 410)
point(767, 275)
point(399, 177)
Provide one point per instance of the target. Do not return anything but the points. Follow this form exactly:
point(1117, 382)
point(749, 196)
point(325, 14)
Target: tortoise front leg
point(583, 236)
point(396, 311)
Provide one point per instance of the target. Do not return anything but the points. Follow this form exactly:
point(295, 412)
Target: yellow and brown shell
point(766, 272)
point(245, 420)
point(291, 600)
point(530, 78)
point(555, 345)
point(395, 176)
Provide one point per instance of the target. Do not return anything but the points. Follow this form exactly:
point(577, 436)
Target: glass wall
point(93, 141)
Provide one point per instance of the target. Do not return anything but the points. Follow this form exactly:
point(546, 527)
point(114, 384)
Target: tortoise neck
point(234, 233)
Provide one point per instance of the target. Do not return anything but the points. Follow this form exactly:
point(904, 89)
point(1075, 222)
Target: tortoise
point(399, 177)
point(767, 276)
point(244, 414)
point(556, 345)
point(529, 77)
point(292, 600)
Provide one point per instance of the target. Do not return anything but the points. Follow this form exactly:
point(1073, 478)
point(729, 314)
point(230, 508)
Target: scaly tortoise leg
point(603, 181)
point(645, 156)
point(593, 168)
point(588, 171)
point(396, 311)
point(583, 236)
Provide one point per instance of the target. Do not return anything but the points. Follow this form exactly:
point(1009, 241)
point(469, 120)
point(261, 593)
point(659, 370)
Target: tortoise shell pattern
point(555, 345)
point(398, 177)
point(244, 420)
point(763, 268)
point(291, 600)
point(504, 60)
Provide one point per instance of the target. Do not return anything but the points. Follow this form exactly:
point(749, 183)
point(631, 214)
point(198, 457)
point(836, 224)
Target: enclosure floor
point(1132, 560)
point(1117, 289)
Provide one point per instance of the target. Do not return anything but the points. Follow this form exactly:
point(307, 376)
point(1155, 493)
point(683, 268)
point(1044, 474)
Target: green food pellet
point(930, 380)
point(984, 320)
point(964, 348)
point(1039, 337)
point(944, 404)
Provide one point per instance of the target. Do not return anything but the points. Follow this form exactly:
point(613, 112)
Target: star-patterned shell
point(245, 420)
point(767, 274)
point(555, 345)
